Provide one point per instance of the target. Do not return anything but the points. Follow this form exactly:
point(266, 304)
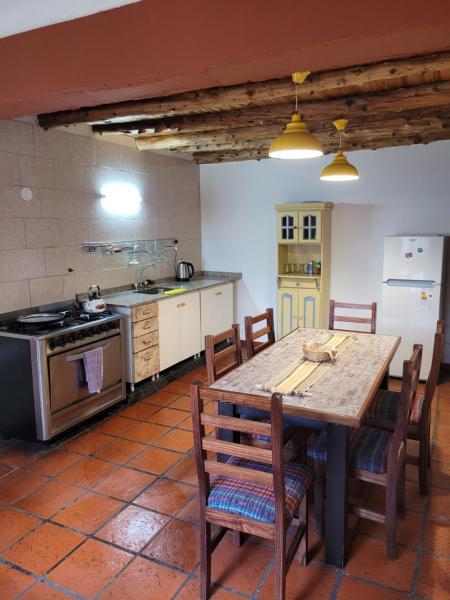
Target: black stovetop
point(69, 318)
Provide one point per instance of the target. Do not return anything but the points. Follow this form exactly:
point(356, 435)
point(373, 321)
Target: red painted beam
point(159, 47)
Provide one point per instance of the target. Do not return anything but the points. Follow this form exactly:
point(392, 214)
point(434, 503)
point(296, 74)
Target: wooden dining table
point(340, 397)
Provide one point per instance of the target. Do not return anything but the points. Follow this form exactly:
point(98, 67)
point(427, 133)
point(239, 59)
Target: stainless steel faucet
point(140, 283)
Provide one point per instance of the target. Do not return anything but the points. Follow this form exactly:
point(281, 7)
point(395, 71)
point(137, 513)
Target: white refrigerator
point(412, 299)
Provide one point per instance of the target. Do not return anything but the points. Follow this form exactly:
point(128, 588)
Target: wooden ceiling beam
point(363, 129)
point(261, 153)
point(325, 84)
point(429, 96)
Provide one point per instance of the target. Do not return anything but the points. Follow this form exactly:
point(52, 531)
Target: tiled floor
point(111, 514)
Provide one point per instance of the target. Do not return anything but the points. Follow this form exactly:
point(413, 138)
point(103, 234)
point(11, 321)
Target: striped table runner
point(298, 378)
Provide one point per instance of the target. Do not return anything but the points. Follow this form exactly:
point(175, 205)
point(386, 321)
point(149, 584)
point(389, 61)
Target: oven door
point(67, 375)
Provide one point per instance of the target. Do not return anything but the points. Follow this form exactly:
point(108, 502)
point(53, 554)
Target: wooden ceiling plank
point(339, 82)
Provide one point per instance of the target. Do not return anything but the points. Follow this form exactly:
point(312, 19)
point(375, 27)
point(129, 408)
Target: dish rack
point(155, 250)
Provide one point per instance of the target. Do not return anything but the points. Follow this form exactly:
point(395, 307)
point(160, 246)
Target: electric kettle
point(184, 270)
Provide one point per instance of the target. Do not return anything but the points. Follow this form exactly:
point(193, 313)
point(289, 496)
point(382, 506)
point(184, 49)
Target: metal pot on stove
point(95, 302)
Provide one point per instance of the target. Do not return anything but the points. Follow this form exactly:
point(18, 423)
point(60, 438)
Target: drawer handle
point(146, 342)
point(181, 305)
point(147, 358)
point(148, 326)
point(147, 312)
point(218, 293)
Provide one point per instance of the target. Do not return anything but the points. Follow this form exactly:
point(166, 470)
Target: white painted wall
point(401, 190)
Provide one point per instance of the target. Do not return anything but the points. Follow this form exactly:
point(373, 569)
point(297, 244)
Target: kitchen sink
point(154, 291)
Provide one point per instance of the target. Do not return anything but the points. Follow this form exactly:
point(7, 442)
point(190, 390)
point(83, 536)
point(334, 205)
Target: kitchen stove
point(42, 377)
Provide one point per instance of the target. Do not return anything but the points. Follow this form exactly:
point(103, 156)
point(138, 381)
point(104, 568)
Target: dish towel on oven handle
point(93, 366)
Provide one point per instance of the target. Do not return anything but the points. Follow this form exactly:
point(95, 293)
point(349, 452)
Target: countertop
point(129, 298)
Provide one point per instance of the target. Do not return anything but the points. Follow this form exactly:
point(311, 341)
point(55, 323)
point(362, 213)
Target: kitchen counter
point(130, 298)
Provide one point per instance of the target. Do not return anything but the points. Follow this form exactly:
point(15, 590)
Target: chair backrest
point(410, 381)
point(433, 377)
point(347, 318)
point(221, 362)
point(252, 337)
point(203, 445)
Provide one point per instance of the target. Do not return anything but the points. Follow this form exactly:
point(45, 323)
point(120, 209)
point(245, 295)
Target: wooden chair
point(376, 456)
point(346, 318)
point(253, 491)
point(383, 411)
point(251, 337)
point(225, 360)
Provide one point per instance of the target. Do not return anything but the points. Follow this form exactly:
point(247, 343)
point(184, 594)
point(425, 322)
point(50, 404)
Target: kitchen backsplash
point(41, 259)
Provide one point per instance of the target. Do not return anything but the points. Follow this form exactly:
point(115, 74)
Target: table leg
point(384, 385)
point(336, 497)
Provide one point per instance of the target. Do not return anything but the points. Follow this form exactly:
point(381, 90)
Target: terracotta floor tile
point(169, 417)
point(184, 471)
point(133, 528)
point(240, 568)
point(436, 537)
point(353, 589)
point(5, 469)
point(191, 592)
point(87, 473)
point(187, 424)
point(368, 560)
point(53, 544)
point(50, 498)
point(178, 439)
point(413, 500)
point(124, 484)
point(155, 460)
point(444, 417)
point(146, 433)
point(41, 591)
point(302, 582)
point(440, 502)
point(13, 525)
point(440, 474)
point(161, 398)
point(190, 512)
point(17, 484)
point(166, 496)
point(54, 462)
point(141, 576)
point(87, 570)
point(176, 536)
point(89, 513)
point(13, 582)
point(115, 426)
point(443, 433)
point(178, 387)
point(183, 403)
point(434, 577)
point(120, 451)
point(408, 529)
point(441, 452)
point(139, 411)
point(20, 453)
point(87, 443)
point(197, 374)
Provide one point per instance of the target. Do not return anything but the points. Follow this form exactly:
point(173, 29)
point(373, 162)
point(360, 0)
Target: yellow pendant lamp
point(339, 169)
point(296, 141)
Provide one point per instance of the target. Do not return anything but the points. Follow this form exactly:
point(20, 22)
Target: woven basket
point(319, 352)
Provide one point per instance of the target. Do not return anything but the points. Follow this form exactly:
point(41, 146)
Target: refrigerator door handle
point(419, 283)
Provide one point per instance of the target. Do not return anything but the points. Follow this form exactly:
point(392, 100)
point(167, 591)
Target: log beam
point(404, 100)
point(325, 84)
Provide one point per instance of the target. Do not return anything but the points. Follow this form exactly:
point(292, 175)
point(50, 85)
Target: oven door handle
point(74, 357)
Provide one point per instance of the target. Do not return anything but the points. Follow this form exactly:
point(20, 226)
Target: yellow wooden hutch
point(304, 243)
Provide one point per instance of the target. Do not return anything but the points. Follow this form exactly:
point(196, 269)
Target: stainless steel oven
point(43, 387)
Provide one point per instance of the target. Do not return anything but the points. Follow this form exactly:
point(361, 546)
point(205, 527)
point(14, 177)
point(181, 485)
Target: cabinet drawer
point(305, 284)
point(144, 327)
point(146, 363)
point(144, 312)
point(145, 341)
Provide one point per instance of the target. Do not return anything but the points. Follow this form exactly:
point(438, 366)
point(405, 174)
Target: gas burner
point(69, 318)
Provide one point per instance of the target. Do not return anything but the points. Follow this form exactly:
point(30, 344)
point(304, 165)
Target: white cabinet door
point(190, 324)
point(216, 310)
point(169, 332)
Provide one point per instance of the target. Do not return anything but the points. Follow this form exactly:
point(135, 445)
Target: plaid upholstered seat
point(385, 407)
point(368, 449)
point(254, 500)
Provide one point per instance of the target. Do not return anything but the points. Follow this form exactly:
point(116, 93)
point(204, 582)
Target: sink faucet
point(140, 283)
